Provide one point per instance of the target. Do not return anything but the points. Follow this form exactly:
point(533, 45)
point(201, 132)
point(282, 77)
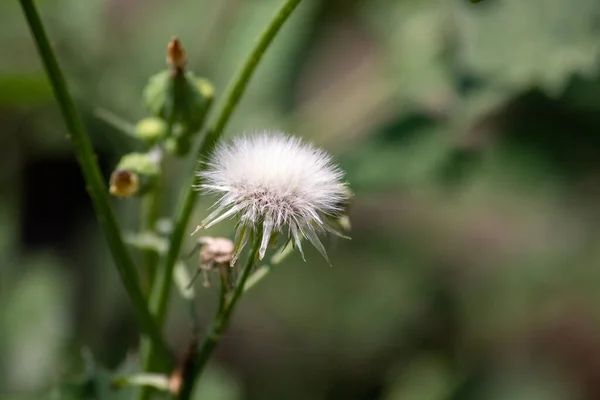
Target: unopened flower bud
point(178, 97)
point(123, 183)
point(150, 130)
point(176, 56)
point(134, 175)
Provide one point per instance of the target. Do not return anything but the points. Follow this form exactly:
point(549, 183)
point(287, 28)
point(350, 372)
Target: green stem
point(260, 273)
point(94, 181)
point(161, 290)
point(150, 210)
point(218, 327)
point(238, 85)
point(116, 122)
point(149, 216)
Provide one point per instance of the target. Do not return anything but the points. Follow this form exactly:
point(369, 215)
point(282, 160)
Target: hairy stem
point(94, 181)
point(218, 326)
point(161, 289)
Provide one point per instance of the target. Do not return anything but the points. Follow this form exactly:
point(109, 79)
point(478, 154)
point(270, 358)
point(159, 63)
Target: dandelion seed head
point(275, 181)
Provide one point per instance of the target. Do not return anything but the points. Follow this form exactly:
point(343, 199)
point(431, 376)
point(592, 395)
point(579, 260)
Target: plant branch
point(218, 326)
point(234, 92)
point(95, 184)
point(161, 289)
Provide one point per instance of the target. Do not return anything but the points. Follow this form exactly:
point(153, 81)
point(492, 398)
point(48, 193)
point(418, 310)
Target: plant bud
point(134, 175)
point(178, 97)
point(176, 56)
point(123, 183)
point(215, 252)
point(150, 130)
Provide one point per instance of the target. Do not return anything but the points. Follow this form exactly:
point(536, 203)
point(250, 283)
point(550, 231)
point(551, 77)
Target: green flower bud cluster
point(178, 102)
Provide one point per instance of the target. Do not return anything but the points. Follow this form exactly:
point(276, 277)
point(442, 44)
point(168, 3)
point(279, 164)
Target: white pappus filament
point(272, 181)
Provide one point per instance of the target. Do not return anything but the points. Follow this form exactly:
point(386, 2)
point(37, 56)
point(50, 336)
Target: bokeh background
point(470, 134)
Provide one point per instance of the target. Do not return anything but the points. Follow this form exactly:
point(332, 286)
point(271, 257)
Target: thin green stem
point(148, 218)
point(94, 181)
point(218, 326)
point(159, 297)
point(238, 85)
point(116, 122)
point(223, 288)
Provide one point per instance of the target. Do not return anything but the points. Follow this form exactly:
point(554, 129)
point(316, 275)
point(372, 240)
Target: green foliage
point(24, 90)
point(32, 345)
point(555, 31)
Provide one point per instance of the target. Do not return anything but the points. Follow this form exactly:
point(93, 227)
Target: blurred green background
point(470, 134)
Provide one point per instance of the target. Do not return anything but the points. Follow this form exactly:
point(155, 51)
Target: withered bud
point(215, 253)
point(176, 56)
point(216, 250)
point(123, 183)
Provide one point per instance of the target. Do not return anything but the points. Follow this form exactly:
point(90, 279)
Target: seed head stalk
point(219, 324)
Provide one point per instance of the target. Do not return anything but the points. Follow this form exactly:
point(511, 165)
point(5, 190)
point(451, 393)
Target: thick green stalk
point(161, 289)
point(218, 327)
point(94, 181)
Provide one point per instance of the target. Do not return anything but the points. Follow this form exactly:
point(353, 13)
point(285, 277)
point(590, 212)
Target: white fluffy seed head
point(272, 180)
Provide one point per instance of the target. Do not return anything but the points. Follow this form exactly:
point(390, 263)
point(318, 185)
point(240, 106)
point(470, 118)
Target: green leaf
point(94, 383)
point(415, 36)
point(117, 122)
point(520, 44)
point(183, 281)
point(34, 324)
point(147, 241)
point(157, 381)
point(24, 89)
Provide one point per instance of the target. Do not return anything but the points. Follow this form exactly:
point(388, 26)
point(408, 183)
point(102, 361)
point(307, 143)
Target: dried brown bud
point(216, 250)
point(176, 56)
point(124, 183)
point(215, 253)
